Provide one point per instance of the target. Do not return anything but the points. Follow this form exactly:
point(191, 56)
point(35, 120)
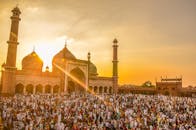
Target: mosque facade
point(69, 74)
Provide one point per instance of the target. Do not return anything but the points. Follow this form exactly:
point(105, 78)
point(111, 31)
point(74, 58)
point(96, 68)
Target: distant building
point(68, 75)
point(169, 86)
point(166, 86)
point(188, 92)
point(124, 89)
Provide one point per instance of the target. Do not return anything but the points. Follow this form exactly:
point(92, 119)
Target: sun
point(46, 53)
point(47, 49)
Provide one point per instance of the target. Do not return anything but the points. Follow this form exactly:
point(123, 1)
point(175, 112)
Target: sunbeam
point(82, 84)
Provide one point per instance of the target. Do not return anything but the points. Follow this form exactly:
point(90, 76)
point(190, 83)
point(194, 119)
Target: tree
point(147, 84)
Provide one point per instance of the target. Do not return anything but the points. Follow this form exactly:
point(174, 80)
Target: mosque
point(69, 74)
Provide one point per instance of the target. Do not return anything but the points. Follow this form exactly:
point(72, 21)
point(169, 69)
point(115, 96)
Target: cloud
point(145, 30)
point(33, 9)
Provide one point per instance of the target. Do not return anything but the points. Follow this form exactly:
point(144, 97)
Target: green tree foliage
point(147, 84)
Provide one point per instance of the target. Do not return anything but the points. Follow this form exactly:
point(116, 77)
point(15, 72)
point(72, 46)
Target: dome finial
point(34, 48)
point(17, 4)
point(89, 56)
point(65, 43)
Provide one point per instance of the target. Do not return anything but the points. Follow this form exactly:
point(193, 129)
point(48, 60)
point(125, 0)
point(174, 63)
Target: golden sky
point(156, 37)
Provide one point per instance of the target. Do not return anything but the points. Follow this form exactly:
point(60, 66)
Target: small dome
point(92, 70)
point(32, 62)
point(47, 69)
point(115, 41)
point(16, 11)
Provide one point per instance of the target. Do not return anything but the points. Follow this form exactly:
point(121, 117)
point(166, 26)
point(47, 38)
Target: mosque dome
point(32, 62)
point(64, 54)
point(92, 69)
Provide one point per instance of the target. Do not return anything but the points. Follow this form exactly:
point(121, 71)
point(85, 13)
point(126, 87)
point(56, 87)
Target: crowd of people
point(103, 112)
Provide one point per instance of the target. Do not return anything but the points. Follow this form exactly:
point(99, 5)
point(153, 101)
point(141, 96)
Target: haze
point(156, 37)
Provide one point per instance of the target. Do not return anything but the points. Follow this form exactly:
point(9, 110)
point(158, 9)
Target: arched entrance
point(29, 89)
point(105, 89)
point(110, 90)
point(95, 89)
point(47, 88)
point(100, 89)
point(39, 88)
point(56, 89)
point(19, 88)
point(73, 85)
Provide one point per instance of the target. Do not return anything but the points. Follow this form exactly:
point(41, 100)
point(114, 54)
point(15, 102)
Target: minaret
point(13, 39)
point(115, 66)
point(8, 76)
point(89, 61)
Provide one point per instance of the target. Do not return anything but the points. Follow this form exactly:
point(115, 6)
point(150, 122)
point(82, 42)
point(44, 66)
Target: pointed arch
point(39, 88)
point(73, 83)
point(56, 89)
point(95, 89)
point(110, 90)
point(29, 89)
point(19, 88)
point(100, 89)
point(105, 89)
point(48, 89)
